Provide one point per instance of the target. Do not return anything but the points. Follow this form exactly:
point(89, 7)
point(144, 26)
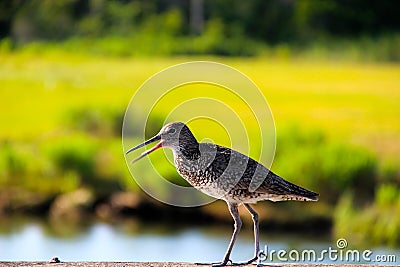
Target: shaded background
point(329, 70)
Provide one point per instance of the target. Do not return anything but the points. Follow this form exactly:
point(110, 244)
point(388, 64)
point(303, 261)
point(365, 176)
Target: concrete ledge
point(161, 264)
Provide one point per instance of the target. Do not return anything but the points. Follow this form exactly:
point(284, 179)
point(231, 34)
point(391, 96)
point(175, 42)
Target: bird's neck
point(188, 147)
point(190, 150)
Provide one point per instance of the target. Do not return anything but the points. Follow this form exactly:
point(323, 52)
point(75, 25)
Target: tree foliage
point(271, 21)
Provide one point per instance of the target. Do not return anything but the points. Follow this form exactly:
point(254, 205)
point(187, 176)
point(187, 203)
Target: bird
point(225, 174)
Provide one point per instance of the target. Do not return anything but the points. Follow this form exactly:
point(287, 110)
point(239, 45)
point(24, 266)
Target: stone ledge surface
point(161, 264)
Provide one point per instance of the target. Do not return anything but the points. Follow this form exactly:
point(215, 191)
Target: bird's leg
point(254, 216)
point(233, 209)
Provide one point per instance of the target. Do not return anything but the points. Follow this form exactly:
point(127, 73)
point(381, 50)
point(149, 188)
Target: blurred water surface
point(33, 241)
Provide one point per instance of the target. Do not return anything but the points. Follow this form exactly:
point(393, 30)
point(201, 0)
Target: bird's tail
point(290, 191)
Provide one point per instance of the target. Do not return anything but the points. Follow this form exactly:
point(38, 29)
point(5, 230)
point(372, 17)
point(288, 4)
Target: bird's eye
point(171, 130)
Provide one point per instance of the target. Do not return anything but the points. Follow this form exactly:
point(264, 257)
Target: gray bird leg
point(233, 209)
point(254, 216)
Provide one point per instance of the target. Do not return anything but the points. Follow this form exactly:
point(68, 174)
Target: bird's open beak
point(155, 138)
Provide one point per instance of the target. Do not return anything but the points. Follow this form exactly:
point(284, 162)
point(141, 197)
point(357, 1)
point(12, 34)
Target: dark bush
point(73, 154)
point(98, 121)
point(327, 167)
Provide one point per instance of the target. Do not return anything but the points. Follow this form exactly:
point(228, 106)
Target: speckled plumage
point(225, 174)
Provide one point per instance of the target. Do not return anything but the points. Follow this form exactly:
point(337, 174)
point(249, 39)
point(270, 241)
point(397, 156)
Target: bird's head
point(175, 135)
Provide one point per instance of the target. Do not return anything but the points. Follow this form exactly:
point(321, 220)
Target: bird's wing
point(285, 190)
point(271, 185)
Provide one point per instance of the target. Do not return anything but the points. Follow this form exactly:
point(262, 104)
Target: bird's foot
point(251, 260)
point(225, 262)
point(230, 263)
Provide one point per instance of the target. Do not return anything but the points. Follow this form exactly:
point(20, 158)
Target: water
point(105, 242)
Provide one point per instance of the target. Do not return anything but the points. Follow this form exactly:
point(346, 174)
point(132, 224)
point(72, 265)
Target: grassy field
point(355, 103)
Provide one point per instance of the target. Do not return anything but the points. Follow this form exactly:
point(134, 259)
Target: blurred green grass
point(354, 101)
point(337, 127)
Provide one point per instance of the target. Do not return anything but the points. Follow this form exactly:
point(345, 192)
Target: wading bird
point(225, 174)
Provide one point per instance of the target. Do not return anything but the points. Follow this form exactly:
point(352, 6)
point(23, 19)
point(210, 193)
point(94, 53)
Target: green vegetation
point(333, 167)
point(356, 30)
point(382, 48)
point(375, 223)
point(336, 133)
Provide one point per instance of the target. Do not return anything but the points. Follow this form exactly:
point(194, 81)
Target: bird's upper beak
point(151, 140)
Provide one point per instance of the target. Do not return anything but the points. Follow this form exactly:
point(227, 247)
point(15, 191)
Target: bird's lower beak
point(155, 138)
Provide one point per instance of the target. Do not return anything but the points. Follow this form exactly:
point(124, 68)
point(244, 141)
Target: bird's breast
point(197, 174)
